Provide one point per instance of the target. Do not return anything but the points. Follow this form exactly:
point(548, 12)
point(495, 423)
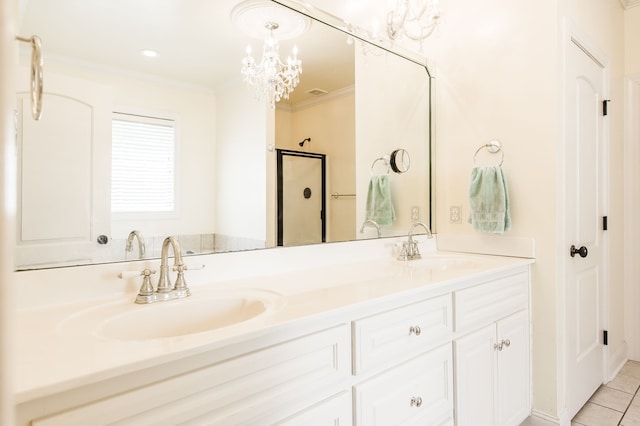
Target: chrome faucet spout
point(415, 225)
point(372, 223)
point(141, 247)
point(164, 284)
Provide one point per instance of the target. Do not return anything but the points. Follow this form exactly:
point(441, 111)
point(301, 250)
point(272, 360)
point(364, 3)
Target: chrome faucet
point(164, 290)
point(129, 247)
point(164, 284)
point(372, 223)
point(410, 247)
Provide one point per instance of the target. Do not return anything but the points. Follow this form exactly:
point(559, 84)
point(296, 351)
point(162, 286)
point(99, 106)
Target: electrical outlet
point(455, 214)
point(415, 213)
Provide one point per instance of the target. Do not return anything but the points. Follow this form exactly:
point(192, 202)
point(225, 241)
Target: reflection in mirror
point(200, 151)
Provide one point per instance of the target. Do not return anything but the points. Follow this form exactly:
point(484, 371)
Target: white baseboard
point(617, 361)
point(546, 417)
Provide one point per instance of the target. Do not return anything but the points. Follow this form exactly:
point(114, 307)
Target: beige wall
point(329, 122)
point(7, 194)
point(195, 110)
point(240, 164)
point(632, 40)
point(497, 77)
point(390, 117)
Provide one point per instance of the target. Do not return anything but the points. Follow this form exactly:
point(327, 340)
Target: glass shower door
point(301, 198)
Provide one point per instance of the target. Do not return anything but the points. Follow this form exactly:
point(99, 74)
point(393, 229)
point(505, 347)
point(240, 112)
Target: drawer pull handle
point(416, 401)
point(507, 343)
point(415, 329)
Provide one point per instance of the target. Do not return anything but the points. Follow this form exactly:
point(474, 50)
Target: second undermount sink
point(442, 262)
point(199, 313)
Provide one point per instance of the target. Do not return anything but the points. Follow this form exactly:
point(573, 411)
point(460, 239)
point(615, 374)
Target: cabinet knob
point(416, 401)
point(415, 329)
point(503, 344)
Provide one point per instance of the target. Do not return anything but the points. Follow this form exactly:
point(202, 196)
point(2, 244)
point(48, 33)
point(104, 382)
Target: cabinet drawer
point(297, 372)
point(401, 333)
point(483, 304)
point(418, 392)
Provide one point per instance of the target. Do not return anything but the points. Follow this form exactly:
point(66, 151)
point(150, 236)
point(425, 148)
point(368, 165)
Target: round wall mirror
point(400, 160)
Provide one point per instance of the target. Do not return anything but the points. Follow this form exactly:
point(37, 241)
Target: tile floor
point(613, 404)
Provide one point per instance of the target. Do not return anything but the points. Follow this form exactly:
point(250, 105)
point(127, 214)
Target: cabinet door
point(418, 392)
point(513, 370)
point(476, 378)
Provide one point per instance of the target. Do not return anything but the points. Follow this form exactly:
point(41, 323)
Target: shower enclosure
point(301, 197)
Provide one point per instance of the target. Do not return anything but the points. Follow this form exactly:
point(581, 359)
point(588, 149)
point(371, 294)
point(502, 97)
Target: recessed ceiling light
point(149, 53)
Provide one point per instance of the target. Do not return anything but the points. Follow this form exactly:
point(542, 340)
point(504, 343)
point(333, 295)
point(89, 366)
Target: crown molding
point(627, 4)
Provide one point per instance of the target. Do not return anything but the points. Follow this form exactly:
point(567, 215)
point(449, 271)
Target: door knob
point(582, 251)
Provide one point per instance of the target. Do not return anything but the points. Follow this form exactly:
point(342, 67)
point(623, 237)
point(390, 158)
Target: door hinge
point(605, 107)
point(605, 223)
point(605, 337)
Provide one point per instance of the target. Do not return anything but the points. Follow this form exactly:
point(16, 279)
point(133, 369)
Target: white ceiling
point(196, 40)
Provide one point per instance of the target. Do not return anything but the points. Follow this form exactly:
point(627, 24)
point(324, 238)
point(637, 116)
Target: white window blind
point(142, 164)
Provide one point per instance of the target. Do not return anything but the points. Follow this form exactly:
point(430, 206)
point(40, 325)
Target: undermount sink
point(442, 262)
point(198, 313)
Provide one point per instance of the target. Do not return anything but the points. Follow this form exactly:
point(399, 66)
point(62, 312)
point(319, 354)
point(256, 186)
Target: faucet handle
point(415, 251)
point(180, 287)
point(146, 294)
point(404, 251)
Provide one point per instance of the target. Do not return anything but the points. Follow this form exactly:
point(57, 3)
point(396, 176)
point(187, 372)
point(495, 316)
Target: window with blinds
point(142, 164)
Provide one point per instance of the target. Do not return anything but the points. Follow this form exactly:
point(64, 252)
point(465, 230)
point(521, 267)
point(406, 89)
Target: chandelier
point(415, 19)
point(271, 78)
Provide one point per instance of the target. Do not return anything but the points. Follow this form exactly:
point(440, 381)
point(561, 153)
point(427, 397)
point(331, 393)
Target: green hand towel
point(379, 206)
point(489, 200)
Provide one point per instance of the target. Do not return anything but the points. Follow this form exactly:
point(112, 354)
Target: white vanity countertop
point(51, 360)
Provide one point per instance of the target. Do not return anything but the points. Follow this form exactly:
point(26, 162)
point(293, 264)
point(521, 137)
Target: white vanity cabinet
point(414, 391)
point(258, 388)
point(492, 353)
point(443, 353)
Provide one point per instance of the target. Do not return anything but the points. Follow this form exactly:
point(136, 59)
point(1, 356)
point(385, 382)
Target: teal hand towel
point(379, 205)
point(489, 200)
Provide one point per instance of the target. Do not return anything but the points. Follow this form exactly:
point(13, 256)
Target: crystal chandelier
point(415, 19)
point(271, 78)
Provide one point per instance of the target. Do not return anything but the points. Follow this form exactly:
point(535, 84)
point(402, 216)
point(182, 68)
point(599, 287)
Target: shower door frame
point(280, 153)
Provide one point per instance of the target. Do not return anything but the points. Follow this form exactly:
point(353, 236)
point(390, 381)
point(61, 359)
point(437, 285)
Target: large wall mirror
point(148, 126)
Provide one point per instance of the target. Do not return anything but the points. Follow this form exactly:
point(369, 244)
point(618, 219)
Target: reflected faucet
point(372, 223)
point(410, 247)
point(129, 247)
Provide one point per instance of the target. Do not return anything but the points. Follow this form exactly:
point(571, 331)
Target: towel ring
point(36, 74)
point(493, 147)
point(384, 159)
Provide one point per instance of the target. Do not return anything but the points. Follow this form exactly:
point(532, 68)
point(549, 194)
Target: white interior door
point(584, 211)
point(63, 192)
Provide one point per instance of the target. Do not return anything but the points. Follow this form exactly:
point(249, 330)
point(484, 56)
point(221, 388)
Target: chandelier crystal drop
point(271, 78)
point(415, 19)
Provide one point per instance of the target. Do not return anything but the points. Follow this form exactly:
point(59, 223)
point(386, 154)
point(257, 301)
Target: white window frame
point(153, 117)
